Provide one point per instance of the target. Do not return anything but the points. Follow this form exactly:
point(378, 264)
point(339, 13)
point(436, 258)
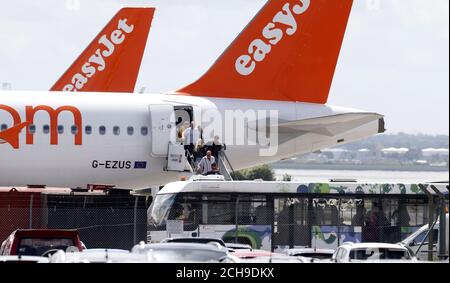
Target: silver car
point(184, 252)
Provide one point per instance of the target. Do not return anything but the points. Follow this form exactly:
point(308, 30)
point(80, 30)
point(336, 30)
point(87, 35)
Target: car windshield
point(160, 209)
point(422, 237)
point(38, 246)
point(185, 255)
point(379, 254)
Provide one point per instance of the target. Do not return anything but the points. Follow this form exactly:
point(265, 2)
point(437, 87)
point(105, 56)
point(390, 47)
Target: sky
point(394, 59)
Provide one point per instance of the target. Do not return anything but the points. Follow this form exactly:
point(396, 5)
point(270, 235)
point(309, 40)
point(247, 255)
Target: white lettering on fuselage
point(97, 61)
point(259, 48)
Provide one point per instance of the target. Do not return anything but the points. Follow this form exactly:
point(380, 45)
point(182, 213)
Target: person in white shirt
point(206, 163)
point(190, 136)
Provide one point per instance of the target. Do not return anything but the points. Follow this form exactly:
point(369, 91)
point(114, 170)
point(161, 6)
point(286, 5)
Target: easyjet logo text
point(30, 113)
point(97, 62)
point(272, 34)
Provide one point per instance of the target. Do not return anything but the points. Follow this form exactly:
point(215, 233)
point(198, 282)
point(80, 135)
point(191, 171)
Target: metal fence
point(103, 221)
point(329, 222)
point(281, 222)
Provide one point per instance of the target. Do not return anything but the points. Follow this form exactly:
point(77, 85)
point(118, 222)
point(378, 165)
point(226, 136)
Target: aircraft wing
point(331, 125)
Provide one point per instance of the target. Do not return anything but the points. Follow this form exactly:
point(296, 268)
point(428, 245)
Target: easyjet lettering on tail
point(97, 62)
point(111, 62)
point(288, 52)
point(273, 33)
point(11, 135)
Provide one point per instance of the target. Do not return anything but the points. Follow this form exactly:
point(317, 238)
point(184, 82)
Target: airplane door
point(163, 129)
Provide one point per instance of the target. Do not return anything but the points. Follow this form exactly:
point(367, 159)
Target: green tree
point(263, 172)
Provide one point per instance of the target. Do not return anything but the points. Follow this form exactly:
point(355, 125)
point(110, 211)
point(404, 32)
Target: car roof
point(106, 251)
point(22, 258)
point(194, 240)
point(311, 250)
point(98, 256)
point(186, 246)
point(234, 245)
point(274, 259)
point(373, 245)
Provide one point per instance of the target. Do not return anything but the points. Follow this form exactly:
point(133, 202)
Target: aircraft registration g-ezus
point(274, 78)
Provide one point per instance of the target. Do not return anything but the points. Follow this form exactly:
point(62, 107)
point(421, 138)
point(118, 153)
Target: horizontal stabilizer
point(330, 125)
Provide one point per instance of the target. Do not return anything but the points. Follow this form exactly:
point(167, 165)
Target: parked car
point(23, 259)
point(372, 252)
point(184, 252)
point(414, 241)
point(98, 256)
point(310, 253)
point(40, 242)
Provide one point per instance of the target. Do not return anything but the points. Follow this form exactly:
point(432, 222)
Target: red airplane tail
point(112, 60)
point(288, 52)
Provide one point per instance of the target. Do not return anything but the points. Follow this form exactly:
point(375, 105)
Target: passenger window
point(46, 129)
point(116, 130)
point(4, 127)
point(88, 130)
point(60, 129)
point(32, 129)
point(221, 210)
point(102, 130)
point(130, 131)
point(74, 130)
point(144, 130)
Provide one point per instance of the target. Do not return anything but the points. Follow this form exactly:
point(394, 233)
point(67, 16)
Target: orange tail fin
point(288, 52)
point(112, 60)
point(11, 135)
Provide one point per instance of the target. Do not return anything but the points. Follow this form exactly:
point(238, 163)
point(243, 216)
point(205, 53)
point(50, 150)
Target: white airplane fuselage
point(126, 158)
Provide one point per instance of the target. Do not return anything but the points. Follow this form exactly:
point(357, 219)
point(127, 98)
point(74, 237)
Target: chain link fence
point(329, 222)
point(262, 221)
point(103, 220)
point(279, 223)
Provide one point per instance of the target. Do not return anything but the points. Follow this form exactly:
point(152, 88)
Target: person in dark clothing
point(358, 218)
point(199, 152)
point(214, 170)
point(215, 147)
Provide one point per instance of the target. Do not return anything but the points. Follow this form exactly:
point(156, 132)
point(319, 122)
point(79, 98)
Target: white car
point(23, 259)
point(98, 256)
point(372, 252)
point(184, 252)
point(419, 240)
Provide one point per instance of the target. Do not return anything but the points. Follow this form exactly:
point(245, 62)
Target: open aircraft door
point(163, 129)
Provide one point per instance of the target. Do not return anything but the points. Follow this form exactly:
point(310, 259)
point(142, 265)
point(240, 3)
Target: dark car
point(40, 242)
